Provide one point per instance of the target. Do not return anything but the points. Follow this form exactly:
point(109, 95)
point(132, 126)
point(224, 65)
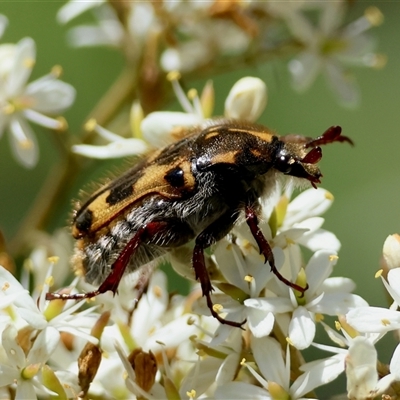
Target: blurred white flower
point(3, 24)
point(328, 47)
point(23, 370)
point(73, 8)
point(198, 37)
point(207, 40)
point(21, 102)
point(107, 31)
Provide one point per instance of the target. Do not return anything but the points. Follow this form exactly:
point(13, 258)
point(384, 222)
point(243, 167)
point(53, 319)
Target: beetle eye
point(282, 163)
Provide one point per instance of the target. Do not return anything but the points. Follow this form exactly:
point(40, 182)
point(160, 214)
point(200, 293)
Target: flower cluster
point(198, 36)
point(161, 346)
point(144, 342)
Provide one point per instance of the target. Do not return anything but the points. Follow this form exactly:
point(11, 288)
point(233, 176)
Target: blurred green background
point(363, 179)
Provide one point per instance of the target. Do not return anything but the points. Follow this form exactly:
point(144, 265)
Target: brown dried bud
point(145, 367)
point(88, 364)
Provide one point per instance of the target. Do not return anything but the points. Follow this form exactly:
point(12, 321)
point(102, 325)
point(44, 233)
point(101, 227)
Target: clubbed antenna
point(332, 134)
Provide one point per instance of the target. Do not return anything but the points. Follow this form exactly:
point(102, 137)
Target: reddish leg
point(265, 248)
point(201, 274)
point(118, 268)
point(210, 235)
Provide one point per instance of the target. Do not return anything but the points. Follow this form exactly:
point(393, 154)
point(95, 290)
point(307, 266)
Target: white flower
point(362, 376)
point(254, 293)
point(22, 370)
point(378, 319)
point(324, 295)
point(118, 146)
point(208, 39)
point(107, 31)
point(21, 102)
point(217, 365)
point(276, 381)
point(156, 323)
point(328, 47)
point(300, 221)
point(42, 315)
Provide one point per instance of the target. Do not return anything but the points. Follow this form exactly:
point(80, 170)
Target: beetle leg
point(118, 268)
point(209, 236)
point(265, 249)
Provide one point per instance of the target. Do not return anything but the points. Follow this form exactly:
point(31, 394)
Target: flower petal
point(301, 328)
point(260, 323)
point(339, 303)
point(15, 355)
point(73, 8)
point(3, 24)
point(304, 70)
point(395, 363)
point(310, 203)
point(43, 346)
point(391, 253)
point(241, 391)
point(24, 60)
point(25, 390)
point(23, 142)
point(317, 373)
point(361, 372)
point(320, 267)
point(268, 355)
point(121, 148)
point(342, 84)
point(373, 319)
point(49, 95)
point(162, 127)
point(320, 239)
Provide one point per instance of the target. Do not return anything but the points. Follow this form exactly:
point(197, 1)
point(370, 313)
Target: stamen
point(379, 273)
point(174, 77)
point(374, 15)
point(28, 62)
point(56, 71)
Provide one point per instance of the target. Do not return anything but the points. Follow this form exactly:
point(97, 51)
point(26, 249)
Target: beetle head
point(294, 158)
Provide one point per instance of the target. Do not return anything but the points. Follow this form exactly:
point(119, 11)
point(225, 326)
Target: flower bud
point(247, 99)
point(391, 251)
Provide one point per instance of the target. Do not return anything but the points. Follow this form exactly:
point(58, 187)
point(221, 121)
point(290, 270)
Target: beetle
point(193, 189)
